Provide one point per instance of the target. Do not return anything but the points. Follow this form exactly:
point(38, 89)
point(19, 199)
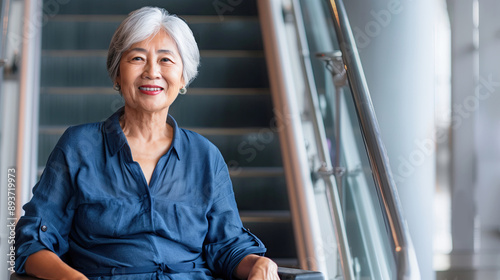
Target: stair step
point(223, 111)
point(249, 172)
point(261, 193)
point(219, 8)
point(287, 262)
point(215, 72)
point(265, 216)
point(244, 170)
point(210, 33)
point(103, 53)
point(191, 91)
point(249, 150)
point(119, 18)
point(58, 130)
point(277, 236)
point(239, 150)
point(210, 111)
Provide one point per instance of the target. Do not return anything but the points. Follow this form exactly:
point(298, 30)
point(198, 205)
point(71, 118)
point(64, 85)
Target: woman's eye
point(137, 58)
point(165, 59)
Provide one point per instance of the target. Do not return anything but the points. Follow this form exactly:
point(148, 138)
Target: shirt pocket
point(99, 218)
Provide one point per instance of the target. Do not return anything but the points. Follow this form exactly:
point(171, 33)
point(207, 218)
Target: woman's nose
point(151, 71)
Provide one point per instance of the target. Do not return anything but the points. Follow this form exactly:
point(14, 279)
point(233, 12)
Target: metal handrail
point(288, 117)
point(406, 262)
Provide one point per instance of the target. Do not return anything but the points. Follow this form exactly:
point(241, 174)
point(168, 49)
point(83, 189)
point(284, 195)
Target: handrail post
point(29, 94)
point(295, 160)
point(335, 66)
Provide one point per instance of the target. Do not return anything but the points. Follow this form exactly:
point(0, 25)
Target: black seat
point(285, 273)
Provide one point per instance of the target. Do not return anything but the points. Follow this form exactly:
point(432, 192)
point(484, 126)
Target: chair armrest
point(15, 276)
point(286, 273)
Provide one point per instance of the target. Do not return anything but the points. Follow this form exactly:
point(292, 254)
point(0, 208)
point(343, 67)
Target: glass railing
point(378, 239)
point(319, 87)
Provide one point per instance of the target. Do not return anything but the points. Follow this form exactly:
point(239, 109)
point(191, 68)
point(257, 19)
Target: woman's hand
point(45, 264)
point(254, 267)
point(264, 269)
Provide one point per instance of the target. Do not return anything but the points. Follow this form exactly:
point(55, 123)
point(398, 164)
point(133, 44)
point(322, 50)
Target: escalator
point(229, 102)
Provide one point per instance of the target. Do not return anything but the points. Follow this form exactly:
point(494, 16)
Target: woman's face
point(150, 74)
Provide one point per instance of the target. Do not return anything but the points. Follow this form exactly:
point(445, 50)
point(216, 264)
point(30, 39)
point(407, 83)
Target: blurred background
point(305, 176)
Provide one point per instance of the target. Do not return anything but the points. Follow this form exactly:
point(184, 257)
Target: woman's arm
point(47, 265)
point(253, 267)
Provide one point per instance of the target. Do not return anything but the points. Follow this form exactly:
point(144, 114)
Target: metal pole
point(326, 170)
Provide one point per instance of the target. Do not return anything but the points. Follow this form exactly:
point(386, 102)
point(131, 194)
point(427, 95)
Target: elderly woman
point(135, 196)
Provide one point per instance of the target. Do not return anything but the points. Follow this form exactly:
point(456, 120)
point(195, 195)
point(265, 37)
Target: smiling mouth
point(150, 90)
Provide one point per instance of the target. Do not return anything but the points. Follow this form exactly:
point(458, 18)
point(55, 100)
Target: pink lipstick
point(150, 89)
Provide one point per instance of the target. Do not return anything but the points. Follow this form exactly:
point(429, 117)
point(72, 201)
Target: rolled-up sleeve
point(47, 219)
point(228, 242)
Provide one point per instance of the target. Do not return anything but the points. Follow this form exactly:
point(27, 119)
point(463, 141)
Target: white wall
point(488, 116)
point(475, 125)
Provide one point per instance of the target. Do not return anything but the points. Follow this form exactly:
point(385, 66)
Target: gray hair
point(146, 22)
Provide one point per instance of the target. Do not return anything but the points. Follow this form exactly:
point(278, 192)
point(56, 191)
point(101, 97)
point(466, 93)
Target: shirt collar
point(176, 145)
point(115, 138)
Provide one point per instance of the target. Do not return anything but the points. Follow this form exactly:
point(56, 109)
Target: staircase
point(229, 102)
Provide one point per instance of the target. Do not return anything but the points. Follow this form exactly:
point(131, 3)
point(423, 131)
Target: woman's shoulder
point(88, 134)
point(192, 141)
point(194, 138)
point(199, 151)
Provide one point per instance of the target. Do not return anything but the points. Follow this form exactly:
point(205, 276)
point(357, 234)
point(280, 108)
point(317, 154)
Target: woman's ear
point(117, 84)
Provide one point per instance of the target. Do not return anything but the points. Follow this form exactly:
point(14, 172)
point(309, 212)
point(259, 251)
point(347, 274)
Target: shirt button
point(44, 228)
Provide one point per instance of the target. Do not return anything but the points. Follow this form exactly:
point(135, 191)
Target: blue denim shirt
point(93, 207)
